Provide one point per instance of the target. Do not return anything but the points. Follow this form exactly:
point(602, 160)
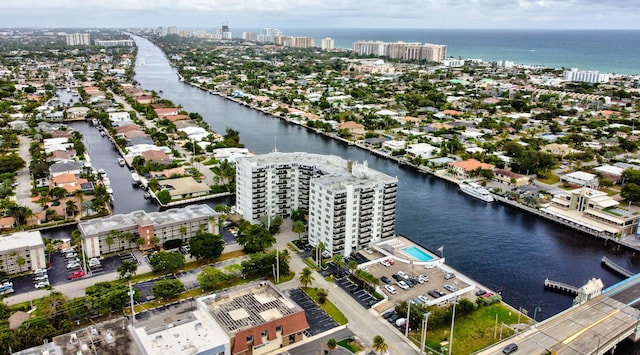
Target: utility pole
point(133, 311)
point(425, 323)
point(406, 329)
point(277, 266)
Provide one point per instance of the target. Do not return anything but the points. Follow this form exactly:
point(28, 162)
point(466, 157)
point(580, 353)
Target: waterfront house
point(465, 167)
point(510, 178)
point(560, 149)
point(72, 167)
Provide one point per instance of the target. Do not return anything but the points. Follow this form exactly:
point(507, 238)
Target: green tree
point(322, 293)
point(164, 196)
point(205, 245)
point(211, 278)
point(167, 288)
point(107, 297)
point(11, 163)
point(338, 261)
point(298, 215)
point(21, 261)
point(379, 344)
point(255, 238)
point(306, 277)
point(331, 344)
point(166, 261)
point(298, 227)
point(34, 331)
point(127, 269)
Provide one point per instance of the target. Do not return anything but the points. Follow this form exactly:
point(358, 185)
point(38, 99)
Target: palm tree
point(298, 227)
point(306, 277)
point(353, 265)
point(70, 208)
point(331, 344)
point(338, 260)
point(21, 261)
point(379, 344)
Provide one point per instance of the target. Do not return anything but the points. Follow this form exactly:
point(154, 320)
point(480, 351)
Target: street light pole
point(535, 312)
point(453, 320)
point(406, 329)
point(425, 323)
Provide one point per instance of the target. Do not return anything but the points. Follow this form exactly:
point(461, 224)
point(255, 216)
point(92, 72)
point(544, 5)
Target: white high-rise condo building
point(402, 50)
point(78, 39)
point(585, 76)
point(350, 206)
point(327, 44)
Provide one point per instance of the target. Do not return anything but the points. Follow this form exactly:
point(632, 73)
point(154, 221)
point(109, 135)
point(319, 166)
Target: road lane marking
point(582, 331)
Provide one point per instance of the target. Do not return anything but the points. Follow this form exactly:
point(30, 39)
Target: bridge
point(593, 327)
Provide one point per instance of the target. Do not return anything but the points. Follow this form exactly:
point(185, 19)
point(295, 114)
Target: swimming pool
point(417, 253)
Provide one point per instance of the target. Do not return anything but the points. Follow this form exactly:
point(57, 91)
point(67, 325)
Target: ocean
point(609, 51)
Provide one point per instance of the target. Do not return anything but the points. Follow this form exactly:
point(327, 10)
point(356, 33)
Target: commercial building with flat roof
point(22, 251)
point(350, 206)
point(257, 318)
point(122, 231)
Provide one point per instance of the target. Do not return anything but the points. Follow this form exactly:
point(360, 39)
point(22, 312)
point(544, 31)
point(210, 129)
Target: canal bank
point(495, 244)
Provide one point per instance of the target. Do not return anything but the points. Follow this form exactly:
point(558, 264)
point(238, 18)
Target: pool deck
point(393, 247)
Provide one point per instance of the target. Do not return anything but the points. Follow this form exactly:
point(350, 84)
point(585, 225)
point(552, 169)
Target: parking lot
point(319, 320)
point(437, 284)
point(364, 298)
point(58, 274)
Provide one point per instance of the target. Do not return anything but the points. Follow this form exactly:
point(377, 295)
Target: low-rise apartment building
point(22, 251)
point(123, 231)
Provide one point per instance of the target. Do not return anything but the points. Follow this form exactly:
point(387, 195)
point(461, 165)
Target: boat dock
point(607, 263)
point(560, 287)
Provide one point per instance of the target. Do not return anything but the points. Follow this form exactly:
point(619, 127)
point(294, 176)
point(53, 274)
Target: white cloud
point(317, 13)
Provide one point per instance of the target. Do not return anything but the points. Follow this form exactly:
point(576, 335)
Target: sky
point(255, 14)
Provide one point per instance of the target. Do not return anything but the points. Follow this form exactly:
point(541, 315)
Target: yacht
point(121, 162)
point(476, 190)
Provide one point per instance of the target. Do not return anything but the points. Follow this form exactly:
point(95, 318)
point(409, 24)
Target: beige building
point(593, 209)
point(402, 50)
point(122, 231)
point(22, 251)
point(510, 178)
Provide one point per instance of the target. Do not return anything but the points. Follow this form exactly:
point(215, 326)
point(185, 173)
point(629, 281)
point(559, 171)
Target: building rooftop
point(247, 307)
point(194, 334)
point(185, 185)
point(121, 222)
point(20, 240)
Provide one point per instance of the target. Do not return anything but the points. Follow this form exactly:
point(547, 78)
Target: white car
point(42, 277)
point(94, 262)
point(403, 275)
point(390, 289)
point(41, 284)
point(73, 265)
point(368, 251)
point(451, 288)
point(428, 266)
point(40, 271)
point(403, 285)
point(385, 263)
point(423, 278)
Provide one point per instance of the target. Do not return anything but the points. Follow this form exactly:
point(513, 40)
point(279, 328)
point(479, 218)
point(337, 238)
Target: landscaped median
point(326, 305)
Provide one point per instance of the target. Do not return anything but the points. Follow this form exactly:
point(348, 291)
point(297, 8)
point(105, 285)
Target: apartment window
point(249, 338)
point(278, 328)
point(264, 333)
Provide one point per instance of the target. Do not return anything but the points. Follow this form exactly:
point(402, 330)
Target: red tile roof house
point(166, 111)
point(465, 167)
point(156, 156)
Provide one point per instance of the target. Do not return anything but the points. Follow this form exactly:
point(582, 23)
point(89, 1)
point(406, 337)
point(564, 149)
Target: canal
point(499, 246)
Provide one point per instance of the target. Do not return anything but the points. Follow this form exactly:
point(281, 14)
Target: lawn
point(350, 345)
point(473, 331)
point(328, 307)
point(550, 180)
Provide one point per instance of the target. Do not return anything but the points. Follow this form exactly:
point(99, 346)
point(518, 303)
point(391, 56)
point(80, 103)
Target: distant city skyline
point(207, 14)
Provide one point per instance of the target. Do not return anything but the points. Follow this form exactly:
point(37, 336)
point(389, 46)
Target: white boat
point(109, 190)
point(135, 179)
point(102, 172)
point(476, 190)
point(121, 162)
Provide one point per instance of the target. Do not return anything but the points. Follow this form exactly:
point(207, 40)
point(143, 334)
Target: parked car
point(6, 289)
point(403, 275)
point(423, 278)
point(76, 275)
point(73, 265)
point(385, 263)
point(368, 251)
point(40, 271)
point(385, 280)
point(390, 289)
point(94, 262)
point(391, 262)
point(449, 276)
point(434, 294)
point(510, 348)
point(450, 288)
point(423, 298)
point(41, 277)
point(428, 266)
point(6, 282)
point(41, 284)
point(70, 255)
point(396, 277)
point(481, 292)
point(68, 250)
point(403, 285)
